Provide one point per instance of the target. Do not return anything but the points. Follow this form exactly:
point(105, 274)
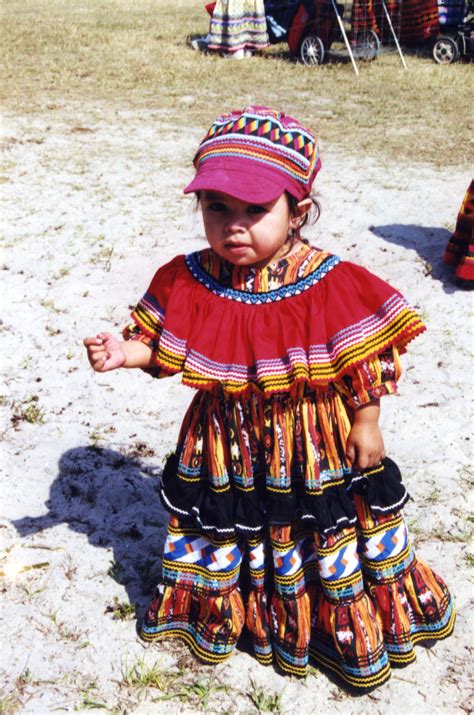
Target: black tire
point(445, 50)
point(312, 50)
point(367, 45)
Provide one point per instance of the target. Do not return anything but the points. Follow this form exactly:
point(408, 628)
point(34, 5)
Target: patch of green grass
point(440, 534)
point(121, 610)
point(116, 572)
point(172, 684)
point(9, 704)
point(433, 496)
point(33, 414)
point(263, 700)
point(26, 363)
point(469, 559)
point(83, 645)
point(32, 592)
point(63, 632)
point(100, 432)
point(102, 257)
point(140, 675)
point(90, 699)
point(56, 50)
point(49, 304)
point(52, 331)
point(89, 704)
point(28, 411)
point(196, 693)
point(23, 680)
point(62, 273)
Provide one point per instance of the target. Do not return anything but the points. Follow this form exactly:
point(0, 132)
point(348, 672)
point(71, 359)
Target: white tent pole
point(394, 35)
point(341, 27)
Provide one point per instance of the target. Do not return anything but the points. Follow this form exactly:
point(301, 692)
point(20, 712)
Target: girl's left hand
point(365, 446)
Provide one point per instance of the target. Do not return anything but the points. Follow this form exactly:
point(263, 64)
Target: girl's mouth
point(236, 247)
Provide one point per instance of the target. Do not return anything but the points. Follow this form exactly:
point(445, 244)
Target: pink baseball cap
point(256, 155)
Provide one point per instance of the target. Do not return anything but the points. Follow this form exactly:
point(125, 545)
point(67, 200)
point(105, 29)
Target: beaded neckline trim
point(287, 291)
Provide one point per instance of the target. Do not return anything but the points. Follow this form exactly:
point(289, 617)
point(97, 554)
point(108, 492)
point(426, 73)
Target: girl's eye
point(216, 206)
point(256, 209)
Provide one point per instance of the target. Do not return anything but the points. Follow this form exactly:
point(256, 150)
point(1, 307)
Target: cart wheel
point(367, 45)
point(312, 50)
point(445, 50)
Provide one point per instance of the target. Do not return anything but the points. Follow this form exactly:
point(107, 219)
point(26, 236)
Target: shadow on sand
point(429, 243)
point(112, 499)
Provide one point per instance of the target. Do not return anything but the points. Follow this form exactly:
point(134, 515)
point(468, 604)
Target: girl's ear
point(300, 210)
point(303, 206)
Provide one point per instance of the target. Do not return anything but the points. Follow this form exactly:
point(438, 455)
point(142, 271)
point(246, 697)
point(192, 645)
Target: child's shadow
point(113, 500)
point(428, 242)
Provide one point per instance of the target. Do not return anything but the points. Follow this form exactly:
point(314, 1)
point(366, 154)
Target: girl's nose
point(236, 221)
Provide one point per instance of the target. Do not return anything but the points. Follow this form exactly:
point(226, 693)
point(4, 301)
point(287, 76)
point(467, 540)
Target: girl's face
point(246, 234)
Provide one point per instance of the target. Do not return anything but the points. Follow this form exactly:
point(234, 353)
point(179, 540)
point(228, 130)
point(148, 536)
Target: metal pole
point(394, 35)
point(343, 32)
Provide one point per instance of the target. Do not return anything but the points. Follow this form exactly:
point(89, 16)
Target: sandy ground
point(93, 207)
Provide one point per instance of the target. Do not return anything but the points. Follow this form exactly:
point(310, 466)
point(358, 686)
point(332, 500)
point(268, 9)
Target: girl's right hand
point(105, 352)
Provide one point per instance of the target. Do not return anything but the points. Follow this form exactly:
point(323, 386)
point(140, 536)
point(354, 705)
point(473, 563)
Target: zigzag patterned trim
point(266, 136)
point(150, 315)
point(255, 125)
point(319, 365)
point(363, 678)
point(289, 291)
point(187, 633)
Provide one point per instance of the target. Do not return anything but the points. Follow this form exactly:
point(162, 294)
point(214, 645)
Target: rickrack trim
point(287, 291)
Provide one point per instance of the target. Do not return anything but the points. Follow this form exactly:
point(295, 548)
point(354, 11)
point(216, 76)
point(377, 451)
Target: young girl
point(285, 511)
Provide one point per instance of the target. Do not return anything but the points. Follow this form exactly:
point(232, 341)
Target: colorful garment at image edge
point(362, 18)
point(451, 12)
point(460, 249)
point(414, 22)
point(419, 21)
point(270, 527)
point(238, 25)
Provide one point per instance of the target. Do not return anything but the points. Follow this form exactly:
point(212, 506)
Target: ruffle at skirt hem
point(354, 602)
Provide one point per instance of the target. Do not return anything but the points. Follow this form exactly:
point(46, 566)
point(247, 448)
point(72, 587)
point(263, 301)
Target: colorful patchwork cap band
point(256, 155)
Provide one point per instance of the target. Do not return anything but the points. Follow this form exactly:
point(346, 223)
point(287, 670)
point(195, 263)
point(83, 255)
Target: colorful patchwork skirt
point(460, 249)
point(238, 25)
point(353, 602)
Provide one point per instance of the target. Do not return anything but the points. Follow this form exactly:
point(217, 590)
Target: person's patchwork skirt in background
point(238, 25)
point(460, 249)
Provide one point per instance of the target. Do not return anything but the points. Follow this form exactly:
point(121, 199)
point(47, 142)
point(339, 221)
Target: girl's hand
point(105, 352)
point(365, 446)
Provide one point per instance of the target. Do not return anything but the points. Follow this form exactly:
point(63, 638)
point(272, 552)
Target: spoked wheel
point(312, 50)
point(367, 45)
point(445, 50)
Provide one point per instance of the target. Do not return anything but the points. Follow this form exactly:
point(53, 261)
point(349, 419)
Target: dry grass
point(135, 55)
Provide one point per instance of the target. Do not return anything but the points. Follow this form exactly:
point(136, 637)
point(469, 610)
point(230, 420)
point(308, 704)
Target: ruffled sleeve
point(149, 314)
point(371, 379)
